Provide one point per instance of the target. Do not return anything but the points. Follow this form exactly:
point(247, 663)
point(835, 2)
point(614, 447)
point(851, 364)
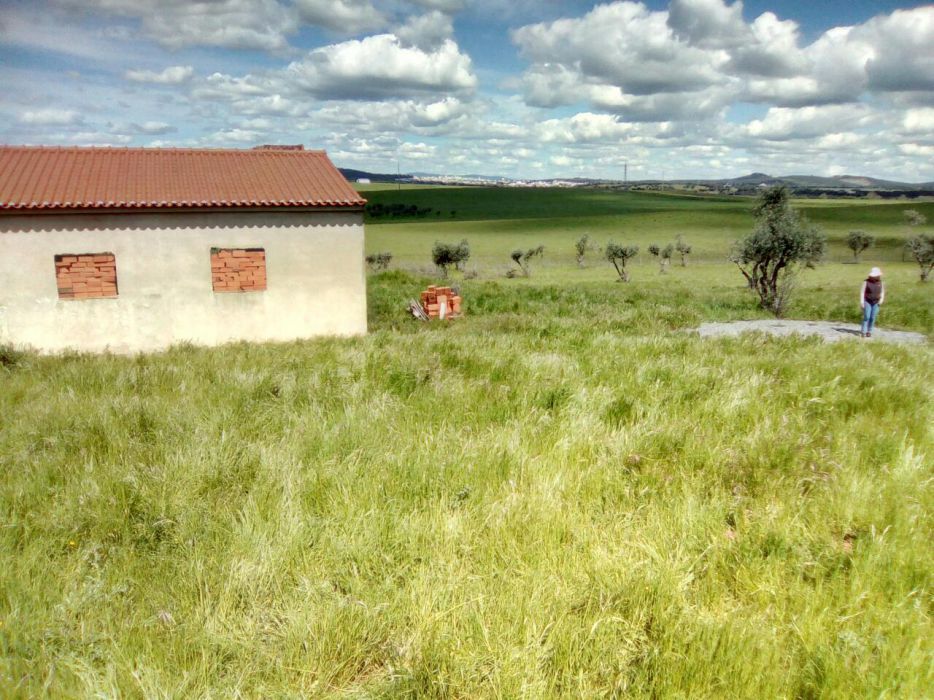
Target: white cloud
point(51, 117)
point(887, 54)
point(447, 6)
point(153, 128)
point(623, 45)
point(646, 65)
point(707, 23)
point(380, 67)
point(258, 124)
point(173, 75)
point(919, 121)
point(366, 119)
point(249, 95)
point(903, 44)
point(427, 32)
point(345, 16)
point(839, 140)
point(221, 85)
point(43, 31)
point(783, 123)
point(238, 24)
point(417, 151)
point(236, 136)
point(836, 72)
point(772, 51)
point(584, 127)
point(662, 106)
point(94, 138)
point(916, 149)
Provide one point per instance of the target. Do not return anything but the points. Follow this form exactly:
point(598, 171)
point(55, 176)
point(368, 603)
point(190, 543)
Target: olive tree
point(858, 241)
point(683, 249)
point(445, 255)
point(921, 249)
point(522, 258)
point(913, 218)
point(619, 255)
point(663, 255)
point(783, 241)
point(582, 245)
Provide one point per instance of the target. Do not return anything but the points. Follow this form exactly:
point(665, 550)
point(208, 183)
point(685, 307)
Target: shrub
point(782, 241)
point(379, 261)
point(10, 357)
point(375, 210)
point(619, 255)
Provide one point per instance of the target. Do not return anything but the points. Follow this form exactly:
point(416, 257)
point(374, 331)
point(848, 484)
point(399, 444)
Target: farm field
point(496, 220)
point(563, 494)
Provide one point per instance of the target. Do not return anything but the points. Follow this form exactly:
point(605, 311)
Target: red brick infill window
point(86, 276)
point(238, 269)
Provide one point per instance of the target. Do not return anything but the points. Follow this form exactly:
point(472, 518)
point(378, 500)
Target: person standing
point(871, 296)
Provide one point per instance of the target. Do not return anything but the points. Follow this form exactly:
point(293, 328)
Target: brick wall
point(86, 276)
point(238, 269)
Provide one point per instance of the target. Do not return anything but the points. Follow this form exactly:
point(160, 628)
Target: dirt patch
point(828, 330)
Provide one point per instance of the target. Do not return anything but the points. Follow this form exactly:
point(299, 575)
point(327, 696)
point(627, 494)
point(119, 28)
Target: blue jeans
point(870, 311)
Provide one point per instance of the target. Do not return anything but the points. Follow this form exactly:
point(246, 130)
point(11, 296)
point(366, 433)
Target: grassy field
point(561, 495)
point(498, 220)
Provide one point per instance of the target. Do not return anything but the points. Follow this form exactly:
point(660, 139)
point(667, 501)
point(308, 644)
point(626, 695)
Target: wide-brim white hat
point(875, 272)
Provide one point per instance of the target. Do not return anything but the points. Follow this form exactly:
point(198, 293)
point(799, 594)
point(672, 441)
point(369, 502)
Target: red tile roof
point(72, 178)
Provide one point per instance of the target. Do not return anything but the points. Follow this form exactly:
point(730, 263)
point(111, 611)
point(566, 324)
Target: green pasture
point(563, 494)
point(498, 220)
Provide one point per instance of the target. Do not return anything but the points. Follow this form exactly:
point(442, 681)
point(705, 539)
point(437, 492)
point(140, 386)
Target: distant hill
point(354, 175)
point(840, 185)
point(838, 182)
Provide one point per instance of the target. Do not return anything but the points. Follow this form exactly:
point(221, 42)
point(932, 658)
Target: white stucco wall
point(316, 283)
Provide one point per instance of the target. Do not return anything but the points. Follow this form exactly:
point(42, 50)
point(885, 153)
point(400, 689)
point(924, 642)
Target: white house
point(132, 249)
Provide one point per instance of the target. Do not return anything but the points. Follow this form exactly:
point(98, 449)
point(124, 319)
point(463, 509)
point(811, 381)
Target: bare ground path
point(828, 330)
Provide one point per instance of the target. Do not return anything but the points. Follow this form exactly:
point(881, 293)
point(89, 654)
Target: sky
point(515, 88)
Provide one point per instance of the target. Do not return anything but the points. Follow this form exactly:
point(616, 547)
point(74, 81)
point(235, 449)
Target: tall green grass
point(563, 494)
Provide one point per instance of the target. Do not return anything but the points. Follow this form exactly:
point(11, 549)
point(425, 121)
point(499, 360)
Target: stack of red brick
point(90, 276)
point(238, 269)
point(434, 298)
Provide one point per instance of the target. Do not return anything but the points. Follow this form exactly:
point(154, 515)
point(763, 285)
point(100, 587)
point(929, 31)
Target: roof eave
point(162, 208)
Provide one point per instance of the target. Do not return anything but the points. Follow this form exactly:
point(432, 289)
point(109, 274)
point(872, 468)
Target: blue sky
point(521, 88)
